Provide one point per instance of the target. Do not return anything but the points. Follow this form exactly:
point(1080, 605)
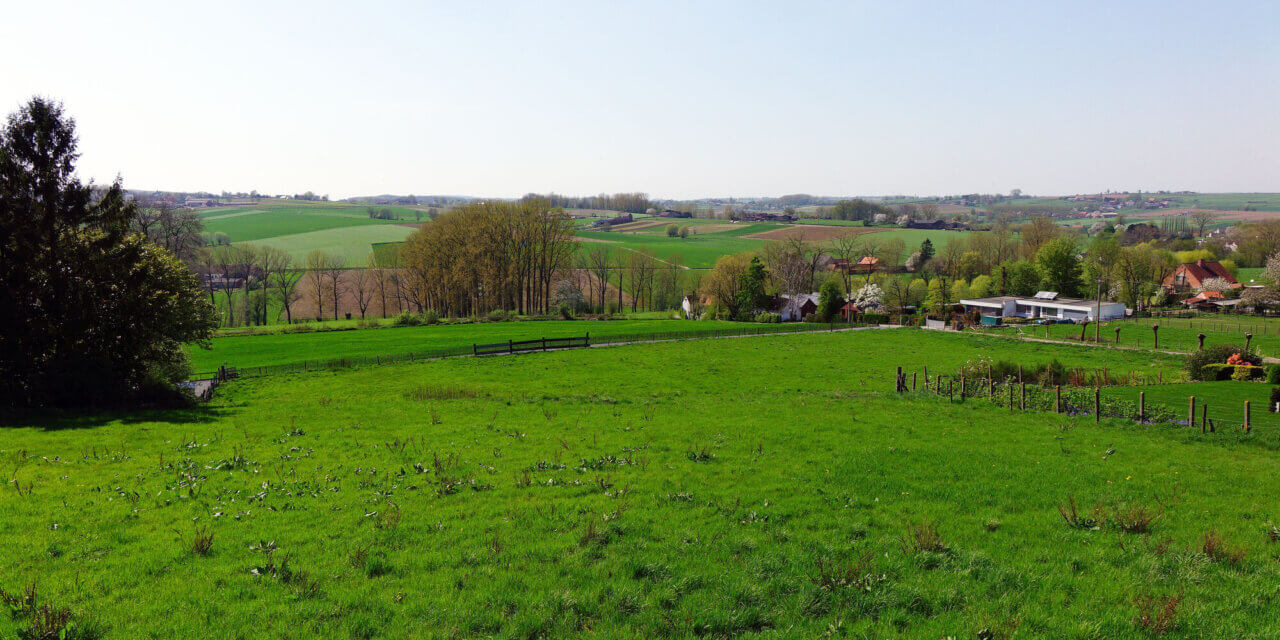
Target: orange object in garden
point(1236, 359)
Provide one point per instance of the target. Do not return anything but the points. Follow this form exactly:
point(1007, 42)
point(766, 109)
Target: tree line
point(489, 256)
point(625, 202)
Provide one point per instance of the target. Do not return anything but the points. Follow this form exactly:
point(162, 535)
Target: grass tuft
point(1134, 518)
point(923, 537)
point(1158, 615)
point(1216, 547)
point(1071, 514)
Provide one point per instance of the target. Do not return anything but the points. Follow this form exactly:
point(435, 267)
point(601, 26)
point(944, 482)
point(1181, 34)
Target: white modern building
point(1046, 304)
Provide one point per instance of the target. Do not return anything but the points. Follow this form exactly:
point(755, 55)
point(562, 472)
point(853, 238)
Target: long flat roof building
point(1045, 304)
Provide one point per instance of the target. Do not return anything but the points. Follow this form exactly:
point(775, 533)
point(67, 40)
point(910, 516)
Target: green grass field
point(1176, 334)
point(256, 226)
point(299, 227)
point(697, 251)
point(1225, 400)
point(284, 348)
point(353, 244)
point(756, 487)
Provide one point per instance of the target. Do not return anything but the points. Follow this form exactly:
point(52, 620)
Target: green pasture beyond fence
point(1096, 401)
point(471, 349)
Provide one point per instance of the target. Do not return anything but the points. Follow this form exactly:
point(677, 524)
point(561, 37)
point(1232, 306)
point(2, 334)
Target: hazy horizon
point(676, 100)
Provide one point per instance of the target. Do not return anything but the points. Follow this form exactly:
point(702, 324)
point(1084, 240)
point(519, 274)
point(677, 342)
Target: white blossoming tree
point(1214, 284)
point(868, 297)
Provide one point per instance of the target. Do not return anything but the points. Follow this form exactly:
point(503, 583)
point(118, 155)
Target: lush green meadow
point(760, 487)
point(1225, 401)
point(699, 250)
point(247, 228)
point(297, 227)
point(1176, 334)
point(283, 348)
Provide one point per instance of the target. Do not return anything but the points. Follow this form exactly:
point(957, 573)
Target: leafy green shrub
point(1273, 374)
point(875, 318)
point(429, 317)
point(1216, 354)
point(564, 311)
point(497, 315)
point(1275, 395)
point(1216, 371)
point(768, 318)
point(406, 319)
point(1244, 372)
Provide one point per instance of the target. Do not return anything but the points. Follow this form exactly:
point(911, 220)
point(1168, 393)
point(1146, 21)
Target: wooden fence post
point(926, 376)
point(1117, 335)
point(1142, 406)
point(1248, 337)
point(1057, 400)
point(897, 381)
point(1200, 337)
point(913, 381)
point(951, 390)
point(1191, 422)
point(1023, 405)
point(962, 386)
point(1246, 416)
point(1097, 404)
point(1155, 330)
point(511, 347)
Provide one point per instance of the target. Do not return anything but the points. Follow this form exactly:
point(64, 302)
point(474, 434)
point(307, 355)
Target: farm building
point(622, 219)
point(1045, 304)
point(1210, 301)
point(793, 308)
point(1191, 275)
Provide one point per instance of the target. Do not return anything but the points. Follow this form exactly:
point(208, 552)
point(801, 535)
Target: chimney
point(1200, 262)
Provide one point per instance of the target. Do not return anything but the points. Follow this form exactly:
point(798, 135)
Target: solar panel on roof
point(1046, 295)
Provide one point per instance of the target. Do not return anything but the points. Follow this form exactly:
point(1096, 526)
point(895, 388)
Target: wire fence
point(1097, 401)
point(349, 362)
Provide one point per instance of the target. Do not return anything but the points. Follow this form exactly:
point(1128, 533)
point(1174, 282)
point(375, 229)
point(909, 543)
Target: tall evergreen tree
point(926, 251)
point(91, 312)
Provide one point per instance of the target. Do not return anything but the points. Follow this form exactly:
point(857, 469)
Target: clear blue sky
point(678, 99)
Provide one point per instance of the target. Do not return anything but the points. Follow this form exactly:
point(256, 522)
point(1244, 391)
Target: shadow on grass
point(85, 418)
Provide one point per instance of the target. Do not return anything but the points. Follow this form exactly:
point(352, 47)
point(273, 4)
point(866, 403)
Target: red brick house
point(1191, 275)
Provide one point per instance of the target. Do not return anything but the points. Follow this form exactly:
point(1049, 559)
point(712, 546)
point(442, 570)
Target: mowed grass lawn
point(761, 487)
point(284, 348)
